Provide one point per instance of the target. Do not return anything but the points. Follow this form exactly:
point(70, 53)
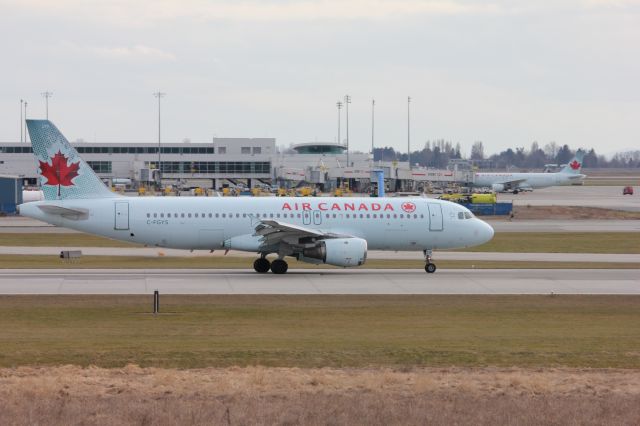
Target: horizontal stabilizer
point(67, 213)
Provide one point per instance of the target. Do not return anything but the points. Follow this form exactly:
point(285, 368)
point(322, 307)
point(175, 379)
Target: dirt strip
point(257, 395)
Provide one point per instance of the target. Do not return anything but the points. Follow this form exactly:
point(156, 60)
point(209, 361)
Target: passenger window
point(224, 215)
point(327, 215)
point(155, 215)
point(271, 215)
point(188, 214)
point(217, 214)
point(401, 216)
point(210, 215)
point(415, 216)
point(299, 215)
point(244, 215)
point(161, 214)
point(375, 216)
point(278, 215)
point(196, 215)
point(367, 215)
point(334, 215)
point(148, 214)
point(181, 214)
point(237, 214)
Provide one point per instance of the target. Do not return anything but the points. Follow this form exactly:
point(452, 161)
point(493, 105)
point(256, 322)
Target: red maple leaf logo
point(408, 207)
point(575, 165)
point(59, 172)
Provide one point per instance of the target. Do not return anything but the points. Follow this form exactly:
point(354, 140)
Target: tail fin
point(63, 174)
point(574, 166)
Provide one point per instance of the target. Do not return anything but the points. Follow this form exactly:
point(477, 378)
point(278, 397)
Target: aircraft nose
point(485, 232)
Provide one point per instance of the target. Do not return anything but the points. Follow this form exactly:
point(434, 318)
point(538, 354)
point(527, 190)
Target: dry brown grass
point(258, 395)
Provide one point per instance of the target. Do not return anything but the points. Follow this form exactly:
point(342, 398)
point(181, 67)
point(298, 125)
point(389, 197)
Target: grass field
point(519, 242)
point(321, 331)
point(18, 261)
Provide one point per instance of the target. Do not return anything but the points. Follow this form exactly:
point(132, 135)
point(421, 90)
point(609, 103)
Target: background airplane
point(516, 182)
point(324, 230)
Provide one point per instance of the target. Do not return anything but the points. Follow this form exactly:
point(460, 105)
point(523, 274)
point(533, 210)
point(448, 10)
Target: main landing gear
point(262, 265)
point(278, 266)
point(429, 267)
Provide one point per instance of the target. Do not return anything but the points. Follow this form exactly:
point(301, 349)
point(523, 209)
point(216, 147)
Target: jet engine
point(350, 251)
point(497, 187)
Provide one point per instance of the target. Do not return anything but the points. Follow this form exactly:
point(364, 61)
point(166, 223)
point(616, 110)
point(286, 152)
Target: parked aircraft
point(335, 231)
point(516, 182)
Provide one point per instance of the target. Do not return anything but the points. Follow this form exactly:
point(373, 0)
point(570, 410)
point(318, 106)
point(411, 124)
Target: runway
point(355, 281)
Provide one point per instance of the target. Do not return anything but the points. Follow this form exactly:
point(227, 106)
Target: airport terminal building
point(229, 161)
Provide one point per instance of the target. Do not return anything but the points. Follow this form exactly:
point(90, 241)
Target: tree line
point(436, 154)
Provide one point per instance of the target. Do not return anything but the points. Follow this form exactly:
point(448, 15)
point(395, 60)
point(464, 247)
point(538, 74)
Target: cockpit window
point(468, 215)
point(460, 215)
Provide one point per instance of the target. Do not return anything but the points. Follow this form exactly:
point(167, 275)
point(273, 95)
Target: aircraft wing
point(275, 232)
point(512, 182)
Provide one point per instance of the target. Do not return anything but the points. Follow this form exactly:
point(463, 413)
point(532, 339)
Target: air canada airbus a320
point(324, 230)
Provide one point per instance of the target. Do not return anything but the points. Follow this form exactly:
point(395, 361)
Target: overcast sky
point(504, 72)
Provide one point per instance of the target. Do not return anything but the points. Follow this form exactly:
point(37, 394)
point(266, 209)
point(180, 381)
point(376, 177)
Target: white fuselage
point(206, 223)
point(526, 180)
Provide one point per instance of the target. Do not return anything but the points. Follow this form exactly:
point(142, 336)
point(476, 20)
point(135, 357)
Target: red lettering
point(322, 206)
point(335, 206)
point(363, 206)
point(286, 206)
point(375, 207)
point(388, 207)
point(349, 206)
point(306, 206)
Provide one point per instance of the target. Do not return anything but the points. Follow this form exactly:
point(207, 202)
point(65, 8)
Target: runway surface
point(371, 254)
point(359, 281)
point(608, 197)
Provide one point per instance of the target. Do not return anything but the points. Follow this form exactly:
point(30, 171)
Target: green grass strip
point(319, 331)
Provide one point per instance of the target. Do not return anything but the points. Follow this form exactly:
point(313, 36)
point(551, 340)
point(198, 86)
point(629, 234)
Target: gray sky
point(506, 73)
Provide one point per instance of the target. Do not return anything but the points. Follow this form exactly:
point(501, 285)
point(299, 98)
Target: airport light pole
point(159, 95)
point(46, 96)
point(339, 105)
point(21, 103)
point(347, 101)
point(373, 109)
point(25, 121)
point(409, 130)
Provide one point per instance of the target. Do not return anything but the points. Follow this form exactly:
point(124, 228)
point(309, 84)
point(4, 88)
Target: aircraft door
point(317, 217)
point(122, 215)
point(435, 217)
point(306, 217)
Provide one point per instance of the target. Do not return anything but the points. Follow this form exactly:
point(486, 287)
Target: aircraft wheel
point(430, 268)
point(261, 265)
point(279, 266)
point(515, 192)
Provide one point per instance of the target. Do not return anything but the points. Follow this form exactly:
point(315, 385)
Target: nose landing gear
point(429, 267)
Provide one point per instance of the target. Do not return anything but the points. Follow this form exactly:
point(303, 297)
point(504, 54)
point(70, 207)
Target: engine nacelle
point(339, 251)
point(497, 187)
